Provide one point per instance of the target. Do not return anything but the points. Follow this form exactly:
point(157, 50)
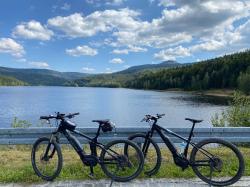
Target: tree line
point(230, 71)
point(10, 81)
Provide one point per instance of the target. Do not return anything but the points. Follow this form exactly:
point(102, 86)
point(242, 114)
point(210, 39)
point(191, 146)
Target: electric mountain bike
point(215, 161)
point(47, 159)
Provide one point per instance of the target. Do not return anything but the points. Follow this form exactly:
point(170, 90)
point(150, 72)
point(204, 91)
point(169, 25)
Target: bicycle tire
point(56, 149)
point(155, 168)
point(231, 147)
point(112, 175)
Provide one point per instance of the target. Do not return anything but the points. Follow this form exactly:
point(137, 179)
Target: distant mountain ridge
point(41, 76)
point(165, 64)
point(46, 77)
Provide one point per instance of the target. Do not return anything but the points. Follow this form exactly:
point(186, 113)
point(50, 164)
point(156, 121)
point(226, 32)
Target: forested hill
point(36, 77)
point(223, 72)
point(140, 68)
point(10, 81)
point(229, 71)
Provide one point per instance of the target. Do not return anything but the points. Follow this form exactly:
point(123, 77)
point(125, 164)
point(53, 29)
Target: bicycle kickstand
point(111, 182)
point(210, 175)
point(91, 174)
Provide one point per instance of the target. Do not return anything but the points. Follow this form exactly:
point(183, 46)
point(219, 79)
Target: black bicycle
point(215, 161)
point(47, 157)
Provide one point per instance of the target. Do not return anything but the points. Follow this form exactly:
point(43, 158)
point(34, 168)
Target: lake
point(125, 107)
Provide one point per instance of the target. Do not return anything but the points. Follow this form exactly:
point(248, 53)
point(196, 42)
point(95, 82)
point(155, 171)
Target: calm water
point(125, 107)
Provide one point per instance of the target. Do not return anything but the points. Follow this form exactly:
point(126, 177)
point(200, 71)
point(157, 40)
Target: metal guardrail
point(10, 136)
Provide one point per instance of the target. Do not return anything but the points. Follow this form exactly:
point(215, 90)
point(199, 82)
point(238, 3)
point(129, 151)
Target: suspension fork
point(146, 143)
point(53, 138)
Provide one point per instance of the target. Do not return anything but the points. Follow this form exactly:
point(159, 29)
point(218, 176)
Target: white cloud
point(116, 61)
point(39, 64)
point(166, 3)
point(129, 49)
point(115, 2)
point(107, 2)
point(120, 51)
point(77, 25)
point(172, 53)
point(87, 69)
point(204, 25)
point(66, 6)
point(207, 46)
point(10, 46)
point(83, 50)
point(32, 30)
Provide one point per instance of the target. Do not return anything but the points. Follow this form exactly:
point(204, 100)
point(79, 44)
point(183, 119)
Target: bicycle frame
point(77, 146)
point(180, 159)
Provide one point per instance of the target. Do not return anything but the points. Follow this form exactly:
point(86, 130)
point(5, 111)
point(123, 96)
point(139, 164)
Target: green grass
point(16, 166)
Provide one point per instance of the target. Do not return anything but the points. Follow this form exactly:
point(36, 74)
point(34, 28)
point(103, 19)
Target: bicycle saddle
point(193, 120)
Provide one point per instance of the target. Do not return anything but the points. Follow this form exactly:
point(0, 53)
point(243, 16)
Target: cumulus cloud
point(39, 64)
point(116, 61)
point(10, 46)
point(172, 53)
point(166, 3)
point(83, 50)
point(129, 49)
point(32, 30)
point(199, 25)
point(207, 46)
point(188, 21)
point(77, 25)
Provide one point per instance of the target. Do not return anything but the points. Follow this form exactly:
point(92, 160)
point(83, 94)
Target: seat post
point(98, 132)
point(189, 139)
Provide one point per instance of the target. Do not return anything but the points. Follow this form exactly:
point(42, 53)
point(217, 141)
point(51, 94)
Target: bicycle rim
point(46, 166)
point(120, 165)
point(225, 165)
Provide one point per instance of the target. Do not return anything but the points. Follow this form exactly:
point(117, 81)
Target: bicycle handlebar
point(60, 116)
point(148, 117)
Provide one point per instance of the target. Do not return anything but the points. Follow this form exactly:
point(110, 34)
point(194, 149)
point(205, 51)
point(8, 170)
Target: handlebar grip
point(72, 115)
point(44, 117)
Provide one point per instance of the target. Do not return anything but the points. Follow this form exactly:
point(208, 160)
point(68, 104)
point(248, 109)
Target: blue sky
point(97, 36)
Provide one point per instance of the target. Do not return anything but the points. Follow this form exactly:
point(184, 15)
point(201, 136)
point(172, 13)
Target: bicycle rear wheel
point(119, 165)
point(46, 159)
point(151, 152)
point(217, 162)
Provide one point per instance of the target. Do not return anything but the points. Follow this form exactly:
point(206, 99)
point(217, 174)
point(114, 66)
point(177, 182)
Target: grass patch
point(16, 166)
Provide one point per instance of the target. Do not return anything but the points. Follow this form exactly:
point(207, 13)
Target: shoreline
point(212, 92)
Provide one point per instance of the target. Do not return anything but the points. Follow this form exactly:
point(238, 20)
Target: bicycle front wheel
point(217, 162)
point(46, 159)
point(119, 164)
point(151, 152)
